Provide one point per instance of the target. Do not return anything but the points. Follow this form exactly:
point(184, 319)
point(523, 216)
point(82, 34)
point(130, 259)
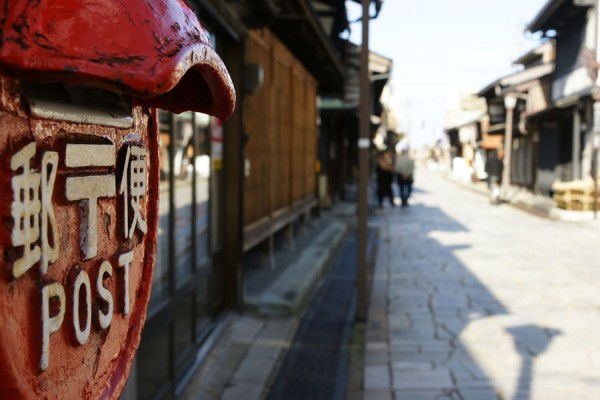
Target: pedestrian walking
point(494, 167)
point(404, 168)
point(385, 177)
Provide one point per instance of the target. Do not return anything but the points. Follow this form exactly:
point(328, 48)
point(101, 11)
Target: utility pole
point(595, 172)
point(363, 168)
point(510, 101)
point(596, 147)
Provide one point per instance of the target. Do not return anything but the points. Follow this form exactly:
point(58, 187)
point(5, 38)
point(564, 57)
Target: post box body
point(52, 173)
point(79, 181)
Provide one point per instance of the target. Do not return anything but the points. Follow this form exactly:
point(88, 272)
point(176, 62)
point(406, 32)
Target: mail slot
point(79, 154)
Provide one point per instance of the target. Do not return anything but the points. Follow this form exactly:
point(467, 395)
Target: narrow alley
point(475, 301)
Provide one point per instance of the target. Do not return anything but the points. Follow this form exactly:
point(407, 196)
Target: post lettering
point(51, 324)
point(124, 260)
point(88, 189)
point(50, 251)
point(134, 173)
point(104, 319)
point(25, 210)
point(36, 232)
point(82, 282)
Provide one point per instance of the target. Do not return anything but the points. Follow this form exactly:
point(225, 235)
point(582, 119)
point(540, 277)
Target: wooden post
point(363, 168)
point(510, 103)
point(595, 173)
point(576, 144)
point(233, 169)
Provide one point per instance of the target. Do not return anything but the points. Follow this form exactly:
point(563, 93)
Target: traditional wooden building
point(566, 126)
point(466, 133)
point(530, 88)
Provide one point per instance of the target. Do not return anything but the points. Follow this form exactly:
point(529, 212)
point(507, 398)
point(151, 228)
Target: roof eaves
point(527, 74)
point(544, 15)
point(489, 88)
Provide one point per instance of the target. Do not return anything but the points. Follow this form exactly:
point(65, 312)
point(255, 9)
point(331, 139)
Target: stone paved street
point(473, 301)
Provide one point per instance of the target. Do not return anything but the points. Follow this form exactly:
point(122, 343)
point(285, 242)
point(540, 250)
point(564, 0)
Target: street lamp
point(510, 102)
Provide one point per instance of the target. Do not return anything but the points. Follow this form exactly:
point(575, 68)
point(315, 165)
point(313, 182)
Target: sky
point(444, 47)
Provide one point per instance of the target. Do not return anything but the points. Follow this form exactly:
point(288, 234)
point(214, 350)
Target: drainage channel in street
point(316, 364)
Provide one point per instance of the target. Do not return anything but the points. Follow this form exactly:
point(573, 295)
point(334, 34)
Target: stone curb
point(290, 292)
point(244, 360)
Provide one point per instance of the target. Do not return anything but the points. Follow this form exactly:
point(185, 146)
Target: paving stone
point(422, 379)
point(478, 394)
point(246, 328)
point(399, 321)
point(201, 393)
point(242, 391)
point(232, 355)
point(278, 329)
point(254, 369)
point(411, 365)
point(208, 385)
point(467, 384)
point(266, 349)
point(377, 357)
point(430, 394)
point(215, 380)
point(465, 369)
point(377, 377)
point(373, 394)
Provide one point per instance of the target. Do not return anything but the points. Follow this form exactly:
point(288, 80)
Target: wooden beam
point(233, 170)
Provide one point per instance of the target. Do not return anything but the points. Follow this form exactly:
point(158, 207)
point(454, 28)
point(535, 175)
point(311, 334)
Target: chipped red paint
point(155, 50)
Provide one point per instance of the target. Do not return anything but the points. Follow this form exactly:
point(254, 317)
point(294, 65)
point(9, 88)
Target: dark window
point(569, 43)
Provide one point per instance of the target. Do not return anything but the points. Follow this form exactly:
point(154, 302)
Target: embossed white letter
point(104, 320)
point(51, 324)
point(124, 261)
point(82, 280)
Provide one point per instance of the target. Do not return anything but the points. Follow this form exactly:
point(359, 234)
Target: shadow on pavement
point(530, 342)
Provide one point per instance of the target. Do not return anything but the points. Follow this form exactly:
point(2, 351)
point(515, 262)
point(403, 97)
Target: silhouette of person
point(385, 177)
point(494, 166)
point(404, 167)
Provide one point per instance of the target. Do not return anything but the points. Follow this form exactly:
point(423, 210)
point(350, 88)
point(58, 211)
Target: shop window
point(183, 268)
point(183, 178)
point(202, 145)
point(152, 364)
point(160, 278)
point(184, 334)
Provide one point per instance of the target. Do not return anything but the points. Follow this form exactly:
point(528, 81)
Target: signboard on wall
point(216, 150)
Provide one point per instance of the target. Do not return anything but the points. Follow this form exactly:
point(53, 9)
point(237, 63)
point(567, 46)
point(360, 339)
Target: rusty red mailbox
point(79, 180)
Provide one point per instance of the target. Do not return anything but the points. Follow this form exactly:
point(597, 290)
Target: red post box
point(79, 176)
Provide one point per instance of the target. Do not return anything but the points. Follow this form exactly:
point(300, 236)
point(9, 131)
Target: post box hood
point(154, 50)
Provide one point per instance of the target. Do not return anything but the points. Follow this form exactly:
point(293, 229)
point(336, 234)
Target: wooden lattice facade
point(280, 119)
